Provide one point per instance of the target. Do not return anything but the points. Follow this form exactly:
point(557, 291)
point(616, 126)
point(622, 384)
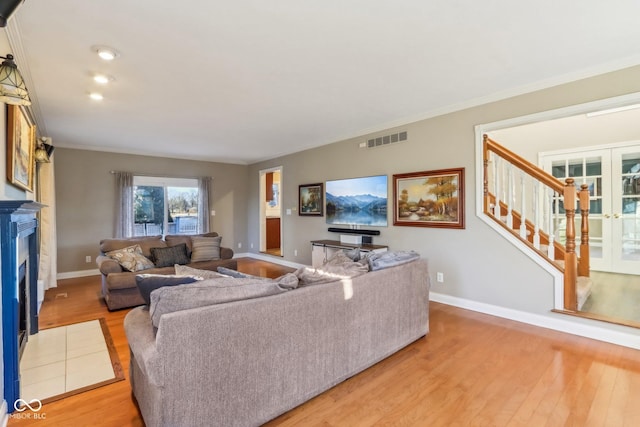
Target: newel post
point(583, 263)
point(570, 258)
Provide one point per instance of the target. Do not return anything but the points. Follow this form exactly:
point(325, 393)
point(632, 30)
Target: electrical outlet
point(87, 259)
point(295, 252)
point(439, 277)
point(252, 246)
point(239, 245)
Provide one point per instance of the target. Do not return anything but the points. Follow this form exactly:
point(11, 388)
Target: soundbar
point(354, 231)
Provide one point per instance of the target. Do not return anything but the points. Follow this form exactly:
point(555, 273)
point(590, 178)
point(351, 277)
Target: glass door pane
point(626, 211)
point(148, 206)
point(183, 210)
point(585, 168)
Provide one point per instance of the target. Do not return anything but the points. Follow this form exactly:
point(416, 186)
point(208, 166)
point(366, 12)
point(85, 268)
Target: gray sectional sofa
point(244, 362)
point(119, 285)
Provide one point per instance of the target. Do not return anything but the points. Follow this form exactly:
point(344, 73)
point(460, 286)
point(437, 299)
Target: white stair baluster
point(523, 209)
point(552, 230)
point(497, 178)
point(536, 215)
point(510, 200)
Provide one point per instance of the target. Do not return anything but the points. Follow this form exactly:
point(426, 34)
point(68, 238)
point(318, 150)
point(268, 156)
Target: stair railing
point(531, 211)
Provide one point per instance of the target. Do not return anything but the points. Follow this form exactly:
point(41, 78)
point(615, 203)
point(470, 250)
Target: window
point(164, 206)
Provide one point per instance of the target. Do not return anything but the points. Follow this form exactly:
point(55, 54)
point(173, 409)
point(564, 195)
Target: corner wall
point(86, 198)
point(478, 264)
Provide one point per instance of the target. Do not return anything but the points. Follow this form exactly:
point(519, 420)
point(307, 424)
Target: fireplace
point(19, 262)
point(23, 312)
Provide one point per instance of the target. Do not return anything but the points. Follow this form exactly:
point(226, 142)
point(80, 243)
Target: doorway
point(271, 211)
point(613, 177)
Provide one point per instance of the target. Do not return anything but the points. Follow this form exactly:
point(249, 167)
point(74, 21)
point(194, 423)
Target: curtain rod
point(113, 172)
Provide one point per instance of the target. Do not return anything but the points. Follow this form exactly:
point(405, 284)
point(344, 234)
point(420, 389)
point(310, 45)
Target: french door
point(613, 178)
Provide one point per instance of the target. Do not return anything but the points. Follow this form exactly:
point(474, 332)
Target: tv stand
point(322, 250)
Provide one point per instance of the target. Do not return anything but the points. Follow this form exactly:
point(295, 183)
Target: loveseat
point(119, 284)
point(246, 361)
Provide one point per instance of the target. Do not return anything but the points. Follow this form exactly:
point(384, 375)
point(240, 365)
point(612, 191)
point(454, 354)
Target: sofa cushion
point(169, 256)
point(205, 248)
point(131, 258)
point(176, 239)
point(183, 270)
point(208, 292)
point(146, 243)
point(148, 283)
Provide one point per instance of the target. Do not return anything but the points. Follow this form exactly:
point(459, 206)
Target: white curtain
point(204, 185)
point(47, 268)
point(124, 197)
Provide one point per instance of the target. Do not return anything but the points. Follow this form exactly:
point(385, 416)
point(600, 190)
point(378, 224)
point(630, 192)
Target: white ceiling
point(246, 80)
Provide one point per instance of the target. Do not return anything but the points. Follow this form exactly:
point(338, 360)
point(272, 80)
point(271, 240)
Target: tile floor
point(63, 359)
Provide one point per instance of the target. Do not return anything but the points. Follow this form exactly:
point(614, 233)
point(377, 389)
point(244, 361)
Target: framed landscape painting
point(310, 201)
point(21, 139)
point(429, 199)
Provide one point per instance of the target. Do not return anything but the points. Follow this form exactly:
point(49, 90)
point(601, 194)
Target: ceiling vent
point(387, 140)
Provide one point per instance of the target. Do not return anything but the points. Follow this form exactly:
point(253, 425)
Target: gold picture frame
point(21, 141)
point(429, 199)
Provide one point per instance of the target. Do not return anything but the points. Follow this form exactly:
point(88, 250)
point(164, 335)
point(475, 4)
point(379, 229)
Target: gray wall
point(86, 198)
point(478, 264)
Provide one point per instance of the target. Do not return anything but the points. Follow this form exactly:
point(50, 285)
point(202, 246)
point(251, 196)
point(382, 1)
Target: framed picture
point(21, 139)
point(310, 201)
point(429, 199)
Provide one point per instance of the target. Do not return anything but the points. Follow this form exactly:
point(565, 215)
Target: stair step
point(583, 290)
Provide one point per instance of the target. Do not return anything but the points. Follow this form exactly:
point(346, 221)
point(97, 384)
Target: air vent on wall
point(381, 141)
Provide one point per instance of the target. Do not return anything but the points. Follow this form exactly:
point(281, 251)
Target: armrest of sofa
point(142, 343)
point(108, 265)
point(226, 253)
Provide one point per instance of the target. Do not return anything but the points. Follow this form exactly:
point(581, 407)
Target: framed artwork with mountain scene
point(310, 200)
point(429, 199)
point(357, 201)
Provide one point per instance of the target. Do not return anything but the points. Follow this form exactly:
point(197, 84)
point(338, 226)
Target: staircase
point(540, 210)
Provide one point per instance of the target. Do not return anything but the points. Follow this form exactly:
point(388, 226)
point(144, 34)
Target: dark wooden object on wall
point(273, 233)
point(269, 185)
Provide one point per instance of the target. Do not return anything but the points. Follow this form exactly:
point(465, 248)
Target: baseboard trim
point(74, 274)
point(588, 331)
point(270, 258)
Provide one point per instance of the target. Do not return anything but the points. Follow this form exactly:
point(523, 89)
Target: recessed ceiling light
point(103, 79)
point(96, 96)
point(105, 52)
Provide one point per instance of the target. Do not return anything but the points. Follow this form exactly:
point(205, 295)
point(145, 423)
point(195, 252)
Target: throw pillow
point(205, 248)
point(286, 281)
point(148, 283)
point(131, 258)
point(379, 261)
point(233, 273)
point(183, 270)
point(167, 257)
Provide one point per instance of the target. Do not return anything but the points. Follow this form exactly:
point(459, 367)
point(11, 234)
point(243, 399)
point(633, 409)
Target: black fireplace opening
point(23, 312)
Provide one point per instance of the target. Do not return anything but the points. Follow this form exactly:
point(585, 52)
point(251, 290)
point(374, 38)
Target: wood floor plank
point(471, 369)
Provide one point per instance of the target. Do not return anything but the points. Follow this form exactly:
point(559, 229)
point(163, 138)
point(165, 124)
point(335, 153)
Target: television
point(357, 201)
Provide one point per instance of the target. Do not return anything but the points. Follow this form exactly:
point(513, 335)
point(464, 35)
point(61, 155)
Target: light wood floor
point(615, 295)
point(471, 369)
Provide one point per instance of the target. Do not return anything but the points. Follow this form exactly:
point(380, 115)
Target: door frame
point(262, 246)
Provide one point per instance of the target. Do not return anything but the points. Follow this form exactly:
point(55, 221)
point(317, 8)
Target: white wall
point(478, 264)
